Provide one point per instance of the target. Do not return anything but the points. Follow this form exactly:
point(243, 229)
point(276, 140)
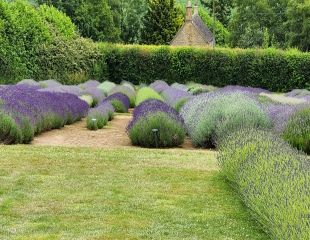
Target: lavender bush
point(272, 178)
point(30, 82)
point(236, 88)
point(209, 117)
point(129, 84)
point(147, 93)
point(106, 87)
point(131, 94)
point(96, 94)
point(279, 115)
point(75, 90)
point(98, 117)
point(27, 111)
point(49, 83)
point(180, 86)
point(297, 129)
point(155, 124)
point(176, 98)
point(120, 102)
point(159, 85)
point(89, 84)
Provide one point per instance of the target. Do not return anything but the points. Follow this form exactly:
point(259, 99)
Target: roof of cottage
point(203, 29)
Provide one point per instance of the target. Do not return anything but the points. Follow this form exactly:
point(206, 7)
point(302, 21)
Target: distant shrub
point(128, 84)
point(131, 94)
point(196, 88)
point(106, 87)
point(155, 124)
point(96, 94)
point(209, 117)
point(272, 178)
point(180, 86)
point(29, 82)
point(297, 130)
point(159, 85)
point(147, 93)
point(176, 98)
point(120, 102)
point(89, 84)
point(280, 114)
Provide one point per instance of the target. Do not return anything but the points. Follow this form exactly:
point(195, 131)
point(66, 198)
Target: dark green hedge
point(270, 69)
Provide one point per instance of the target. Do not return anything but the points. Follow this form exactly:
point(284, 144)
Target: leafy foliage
point(271, 69)
point(161, 22)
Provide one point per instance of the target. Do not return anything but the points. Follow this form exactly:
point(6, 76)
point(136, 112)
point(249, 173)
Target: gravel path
point(77, 135)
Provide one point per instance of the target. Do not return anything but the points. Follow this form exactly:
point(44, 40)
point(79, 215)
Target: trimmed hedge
point(271, 69)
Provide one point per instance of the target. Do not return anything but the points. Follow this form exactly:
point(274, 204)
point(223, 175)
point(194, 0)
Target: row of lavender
point(209, 113)
point(25, 111)
point(254, 131)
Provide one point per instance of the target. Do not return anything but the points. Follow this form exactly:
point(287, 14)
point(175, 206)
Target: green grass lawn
point(83, 193)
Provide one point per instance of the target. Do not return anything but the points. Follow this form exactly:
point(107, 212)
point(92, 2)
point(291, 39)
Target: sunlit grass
point(84, 193)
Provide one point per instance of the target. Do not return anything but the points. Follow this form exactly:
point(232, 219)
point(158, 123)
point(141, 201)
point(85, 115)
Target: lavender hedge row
point(25, 111)
point(155, 124)
point(273, 180)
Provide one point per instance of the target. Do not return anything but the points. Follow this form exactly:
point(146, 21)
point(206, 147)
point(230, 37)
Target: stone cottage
point(193, 32)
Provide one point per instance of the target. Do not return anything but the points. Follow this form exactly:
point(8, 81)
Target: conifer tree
point(161, 22)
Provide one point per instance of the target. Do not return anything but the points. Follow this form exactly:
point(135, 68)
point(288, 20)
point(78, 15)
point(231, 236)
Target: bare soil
point(77, 135)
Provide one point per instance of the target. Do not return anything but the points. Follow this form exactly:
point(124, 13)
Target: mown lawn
point(83, 193)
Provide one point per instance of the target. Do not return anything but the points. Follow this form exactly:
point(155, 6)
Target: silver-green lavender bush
point(272, 178)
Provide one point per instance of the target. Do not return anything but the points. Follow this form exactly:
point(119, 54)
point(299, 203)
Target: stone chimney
point(196, 9)
point(188, 16)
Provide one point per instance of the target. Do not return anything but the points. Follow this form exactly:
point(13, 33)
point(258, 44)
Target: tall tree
point(298, 24)
point(93, 18)
point(253, 20)
point(161, 22)
point(222, 9)
point(128, 15)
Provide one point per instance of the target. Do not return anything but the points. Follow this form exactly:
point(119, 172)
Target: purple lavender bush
point(75, 90)
point(30, 82)
point(297, 129)
point(280, 114)
point(155, 124)
point(96, 94)
point(98, 117)
point(25, 111)
point(131, 94)
point(180, 86)
point(120, 102)
point(89, 84)
point(175, 98)
point(49, 83)
point(236, 88)
point(159, 85)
